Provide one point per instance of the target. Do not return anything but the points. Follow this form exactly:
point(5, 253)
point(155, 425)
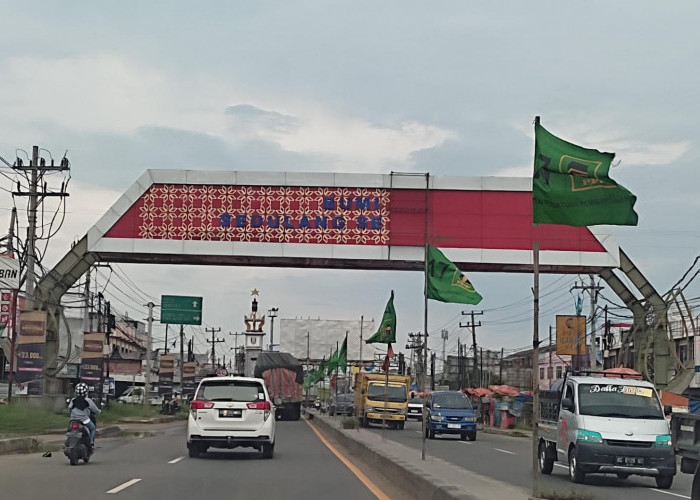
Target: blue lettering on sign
point(362, 222)
point(345, 203)
point(328, 203)
point(321, 222)
point(338, 222)
point(256, 220)
point(304, 222)
point(241, 220)
point(376, 222)
point(362, 203)
point(287, 223)
point(225, 220)
point(273, 222)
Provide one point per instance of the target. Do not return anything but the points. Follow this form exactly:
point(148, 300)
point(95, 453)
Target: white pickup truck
point(134, 395)
point(600, 424)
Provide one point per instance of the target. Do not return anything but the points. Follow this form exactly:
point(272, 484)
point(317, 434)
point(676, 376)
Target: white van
point(604, 424)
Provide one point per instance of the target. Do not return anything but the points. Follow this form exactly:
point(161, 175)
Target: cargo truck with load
point(603, 423)
point(685, 432)
point(284, 378)
point(370, 396)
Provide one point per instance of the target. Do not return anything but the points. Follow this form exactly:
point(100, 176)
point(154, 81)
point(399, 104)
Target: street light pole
point(272, 314)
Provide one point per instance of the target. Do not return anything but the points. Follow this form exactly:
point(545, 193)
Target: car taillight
point(74, 426)
point(201, 405)
point(259, 405)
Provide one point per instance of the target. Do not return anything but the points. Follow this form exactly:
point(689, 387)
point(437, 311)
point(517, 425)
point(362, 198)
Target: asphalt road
point(157, 467)
point(509, 459)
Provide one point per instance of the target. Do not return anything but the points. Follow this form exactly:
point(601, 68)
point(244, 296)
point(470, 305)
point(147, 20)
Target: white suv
point(228, 412)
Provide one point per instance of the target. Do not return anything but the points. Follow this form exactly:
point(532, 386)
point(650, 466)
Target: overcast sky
point(449, 88)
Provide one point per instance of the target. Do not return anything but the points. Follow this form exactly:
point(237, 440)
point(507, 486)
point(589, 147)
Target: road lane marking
point(124, 486)
point(561, 465)
point(176, 460)
point(505, 451)
point(670, 493)
point(358, 473)
point(464, 442)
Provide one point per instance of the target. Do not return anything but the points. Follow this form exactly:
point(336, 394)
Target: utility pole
point(36, 195)
point(500, 369)
point(550, 370)
point(182, 359)
point(148, 353)
point(213, 343)
point(444, 334)
point(235, 351)
point(592, 290)
point(473, 326)
point(459, 364)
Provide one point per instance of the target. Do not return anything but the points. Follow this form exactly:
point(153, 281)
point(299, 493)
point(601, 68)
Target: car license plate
point(632, 461)
point(230, 413)
point(413, 411)
point(454, 426)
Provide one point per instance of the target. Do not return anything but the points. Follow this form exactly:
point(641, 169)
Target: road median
point(434, 478)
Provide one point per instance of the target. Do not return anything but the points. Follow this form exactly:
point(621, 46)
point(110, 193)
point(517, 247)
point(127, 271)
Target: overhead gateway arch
point(327, 220)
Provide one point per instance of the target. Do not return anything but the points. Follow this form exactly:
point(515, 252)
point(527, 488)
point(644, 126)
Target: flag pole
point(386, 391)
point(424, 361)
point(336, 380)
point(535, 351)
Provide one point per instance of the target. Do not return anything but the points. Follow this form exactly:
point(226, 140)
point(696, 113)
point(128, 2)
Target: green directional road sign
point(178, 310)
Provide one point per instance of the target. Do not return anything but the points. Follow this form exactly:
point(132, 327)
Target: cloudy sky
point(449, 88)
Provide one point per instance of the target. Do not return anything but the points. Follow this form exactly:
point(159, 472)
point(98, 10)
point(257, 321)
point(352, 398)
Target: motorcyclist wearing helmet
point(82, 407)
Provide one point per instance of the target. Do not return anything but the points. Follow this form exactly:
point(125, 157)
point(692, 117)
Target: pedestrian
point(485, 404)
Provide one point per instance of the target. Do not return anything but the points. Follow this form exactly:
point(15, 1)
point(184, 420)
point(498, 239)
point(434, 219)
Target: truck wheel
point(664, 482)
point(546, 462)
point(575, 473)
point(401, 425)
point(365, 422)
point(472, 436)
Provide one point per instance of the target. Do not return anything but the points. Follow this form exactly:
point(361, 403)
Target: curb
point(18, 445)
point(154, 420)
point(421, 483)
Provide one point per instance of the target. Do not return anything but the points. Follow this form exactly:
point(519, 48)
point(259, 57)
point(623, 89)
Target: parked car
point(449, 412)
point(134, 395)
point(342, 404)
point(228, 412)
point(415, 408)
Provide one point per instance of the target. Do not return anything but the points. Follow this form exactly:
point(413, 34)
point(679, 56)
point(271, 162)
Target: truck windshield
point(397, 393)
point(616, 400)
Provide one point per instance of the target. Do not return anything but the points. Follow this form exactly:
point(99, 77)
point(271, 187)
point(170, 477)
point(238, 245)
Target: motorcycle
point(77, 446)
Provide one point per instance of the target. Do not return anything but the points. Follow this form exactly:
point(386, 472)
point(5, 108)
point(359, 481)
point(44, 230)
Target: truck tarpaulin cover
point(269, 360)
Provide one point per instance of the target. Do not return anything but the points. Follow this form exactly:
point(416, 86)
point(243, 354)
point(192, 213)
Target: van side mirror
point(668, 409)
point(567, 404)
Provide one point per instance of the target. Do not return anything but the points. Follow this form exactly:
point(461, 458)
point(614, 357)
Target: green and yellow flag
point(445, 282)
point(571, 185)
point(386, 334)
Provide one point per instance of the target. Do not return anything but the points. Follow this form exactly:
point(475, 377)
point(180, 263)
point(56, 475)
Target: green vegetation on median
point(117, 411)
point(24, 419)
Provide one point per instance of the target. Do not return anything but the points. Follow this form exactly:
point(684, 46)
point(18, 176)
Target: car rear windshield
point(231, 390)
point(457, 401)
point(617, 400)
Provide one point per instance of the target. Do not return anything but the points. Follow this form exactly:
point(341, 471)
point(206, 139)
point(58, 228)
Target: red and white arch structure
point(337, 220)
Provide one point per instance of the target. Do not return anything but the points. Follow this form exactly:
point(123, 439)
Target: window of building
point(558, 371)
point(683, 353)
point(550, 372)
point(541, 372)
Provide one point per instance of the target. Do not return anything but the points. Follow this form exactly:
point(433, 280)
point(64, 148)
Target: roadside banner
point(165, 375)
point(9, 273)
point(92, 364)
point(31, 351)
point(188, 378)
point(571, 335)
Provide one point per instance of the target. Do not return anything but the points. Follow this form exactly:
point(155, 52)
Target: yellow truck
point(370, 395)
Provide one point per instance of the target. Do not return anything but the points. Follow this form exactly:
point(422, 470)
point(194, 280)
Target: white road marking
point(505, 451)
point(123, 486)
point(176, 460)
point(561, 465)
point(670, 493)
point(465, 442)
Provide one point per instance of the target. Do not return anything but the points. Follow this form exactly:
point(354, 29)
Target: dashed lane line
point(176, 460)
point(505, 451)
point(124, 486)
point(671, 493)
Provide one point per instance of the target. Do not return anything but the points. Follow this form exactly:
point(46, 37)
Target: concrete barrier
point(18, 445)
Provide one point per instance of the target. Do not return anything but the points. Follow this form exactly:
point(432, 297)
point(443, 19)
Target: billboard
point(165, 374)
point(571, 335)
point(92, 364)
point(31, 351)
point(324, 335)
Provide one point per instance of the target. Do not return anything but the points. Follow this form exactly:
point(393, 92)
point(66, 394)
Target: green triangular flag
point(343, 355)
point(386, 334)
point(446, 283)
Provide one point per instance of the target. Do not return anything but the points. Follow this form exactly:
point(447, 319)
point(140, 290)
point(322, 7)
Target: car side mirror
point(567, 404)
point(668, 409)
point(277, 401)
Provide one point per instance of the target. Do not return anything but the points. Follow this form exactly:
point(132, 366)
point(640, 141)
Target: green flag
point(343, 355)
point(571, 186)
point(332, 363)
point(446, 283)
point(386, 334)
point(320, 372)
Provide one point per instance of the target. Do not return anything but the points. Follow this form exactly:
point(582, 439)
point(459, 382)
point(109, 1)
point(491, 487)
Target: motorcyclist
point(83, 408)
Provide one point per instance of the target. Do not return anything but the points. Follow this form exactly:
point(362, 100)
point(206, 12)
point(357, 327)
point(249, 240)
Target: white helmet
point(81, 389)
